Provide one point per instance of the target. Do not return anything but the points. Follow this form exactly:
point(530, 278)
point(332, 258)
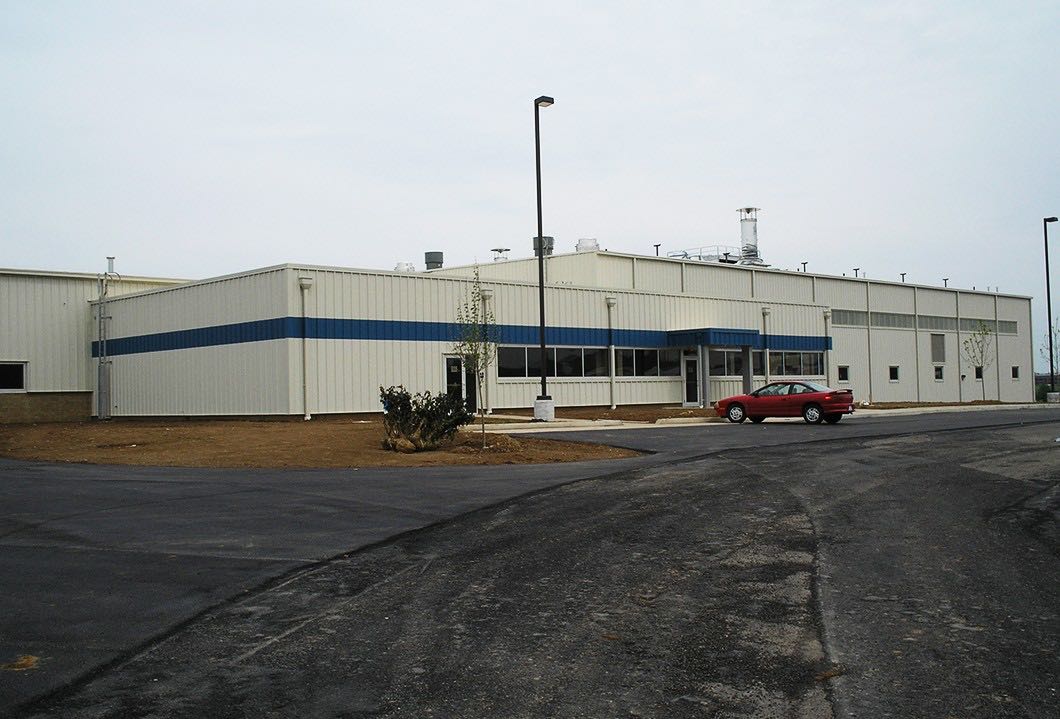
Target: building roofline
point(86, 275)
point(775, 270)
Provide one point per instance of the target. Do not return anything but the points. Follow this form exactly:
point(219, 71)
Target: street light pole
point(1049, 304)
point(544, 401)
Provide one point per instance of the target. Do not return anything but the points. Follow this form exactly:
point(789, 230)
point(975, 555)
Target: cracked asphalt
point(891, 570)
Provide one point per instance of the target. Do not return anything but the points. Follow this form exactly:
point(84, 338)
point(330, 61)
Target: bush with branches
point(416, 422)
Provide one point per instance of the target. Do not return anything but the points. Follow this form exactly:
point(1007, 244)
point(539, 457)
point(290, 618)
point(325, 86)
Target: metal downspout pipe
point(611, 302)
point(304, 283)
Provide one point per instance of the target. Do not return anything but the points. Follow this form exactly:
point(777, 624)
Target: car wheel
point(832, 418)
point(756, 420)
point(812, 414)
point(736, 413)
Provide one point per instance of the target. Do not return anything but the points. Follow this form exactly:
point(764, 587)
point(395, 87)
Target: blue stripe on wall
point(343, 329)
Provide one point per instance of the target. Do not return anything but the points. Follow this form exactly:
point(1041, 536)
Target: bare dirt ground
point(229, 443)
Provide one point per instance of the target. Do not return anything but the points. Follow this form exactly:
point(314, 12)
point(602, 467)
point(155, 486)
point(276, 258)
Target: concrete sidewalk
point(581, 425)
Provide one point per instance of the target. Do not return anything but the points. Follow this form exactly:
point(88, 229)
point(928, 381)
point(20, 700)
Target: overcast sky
point(192, 139)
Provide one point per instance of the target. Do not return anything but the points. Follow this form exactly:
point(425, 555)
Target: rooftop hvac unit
point(432, 260)
point(405, 267)
point(587, 244)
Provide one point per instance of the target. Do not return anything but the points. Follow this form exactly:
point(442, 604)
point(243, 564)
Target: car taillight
point(828, 396)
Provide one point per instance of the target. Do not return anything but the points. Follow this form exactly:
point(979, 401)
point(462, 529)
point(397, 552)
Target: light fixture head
point(1050, 219)
point(544, 101)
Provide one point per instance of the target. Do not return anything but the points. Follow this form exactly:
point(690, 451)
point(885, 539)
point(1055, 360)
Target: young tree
point(476, 340)
point(976, 349)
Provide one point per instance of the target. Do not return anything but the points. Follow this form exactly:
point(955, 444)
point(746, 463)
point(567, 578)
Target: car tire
point(736, 413)
point(756, 420)
point(812, 414)
point(833, 418)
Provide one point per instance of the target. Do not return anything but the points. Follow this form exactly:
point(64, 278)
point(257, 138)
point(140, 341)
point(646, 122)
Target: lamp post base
point(544, 409)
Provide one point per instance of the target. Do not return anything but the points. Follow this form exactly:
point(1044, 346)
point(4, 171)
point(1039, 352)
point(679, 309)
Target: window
point(893, 373)
point(844, 373)
point(812, 363)
point(970, 324)
point(855, 318)
point(938, 348)
point(670, 363)
point(13, 376)
point(1008, 327)
point(511, 361)
point(978, 372)
point(892, 319)
point(730, 362)
point(934, 322)
point(1015, 372)
point(624, 362)
point(596, 364)
point(568, 361)
point(533, 361)
point(939, 374)
point(646, 362)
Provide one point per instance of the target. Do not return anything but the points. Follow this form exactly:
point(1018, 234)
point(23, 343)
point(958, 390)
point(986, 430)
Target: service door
point(691, 381)
point(460, 383)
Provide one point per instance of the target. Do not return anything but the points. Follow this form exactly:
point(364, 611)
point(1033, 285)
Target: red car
point(812, 401)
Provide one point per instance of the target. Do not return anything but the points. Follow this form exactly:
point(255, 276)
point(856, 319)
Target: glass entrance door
point(691, 380)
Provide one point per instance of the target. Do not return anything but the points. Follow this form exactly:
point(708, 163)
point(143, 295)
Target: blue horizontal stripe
point(347, 329)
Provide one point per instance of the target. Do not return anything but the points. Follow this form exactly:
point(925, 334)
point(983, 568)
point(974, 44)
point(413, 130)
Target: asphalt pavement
point(748, 582)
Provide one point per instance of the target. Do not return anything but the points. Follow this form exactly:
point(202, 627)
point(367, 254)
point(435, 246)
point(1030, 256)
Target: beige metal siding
point(707, 280)
point(844, 294)
point(45, 320)
point(239, 379)
point(891, 298)
point(941, 303)
point(658, 276)
point(784, 287)
point(898, 348)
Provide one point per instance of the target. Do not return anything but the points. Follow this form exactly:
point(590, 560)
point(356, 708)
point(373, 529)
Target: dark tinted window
point(978, 372)
point(893, 374)
point(511, 361)
point(647, 362)
point(844, 373)
point(13, 376)
point(569, 361)
point(717, 363)
point(533, 361)
point(1015, 372)
point(670, 363)
point(624, 362)
point(596, 363)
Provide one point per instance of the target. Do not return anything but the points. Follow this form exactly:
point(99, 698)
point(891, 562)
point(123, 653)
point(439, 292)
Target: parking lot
point(891, 557)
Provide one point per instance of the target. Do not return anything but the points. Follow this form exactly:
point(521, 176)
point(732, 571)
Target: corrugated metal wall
point(46, 322)
point(239, 378)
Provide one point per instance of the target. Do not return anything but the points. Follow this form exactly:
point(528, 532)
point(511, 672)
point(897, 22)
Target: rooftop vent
point(433, 260)
point(404, 267)
point(587, 244)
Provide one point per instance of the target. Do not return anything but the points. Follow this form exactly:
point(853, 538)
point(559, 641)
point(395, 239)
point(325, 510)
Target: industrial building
point(621, 329)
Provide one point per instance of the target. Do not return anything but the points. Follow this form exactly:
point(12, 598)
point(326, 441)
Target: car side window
point(783, 389)
point(799, 389)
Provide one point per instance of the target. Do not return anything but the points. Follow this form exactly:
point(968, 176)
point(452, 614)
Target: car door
point(766, 401)
point(787, 404)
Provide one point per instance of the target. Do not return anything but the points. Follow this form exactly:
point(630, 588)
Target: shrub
point(413, 423)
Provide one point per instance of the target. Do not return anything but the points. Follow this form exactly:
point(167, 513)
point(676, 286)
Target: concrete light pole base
point(544, 410)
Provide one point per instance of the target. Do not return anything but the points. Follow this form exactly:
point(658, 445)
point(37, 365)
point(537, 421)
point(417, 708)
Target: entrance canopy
point(730, 337)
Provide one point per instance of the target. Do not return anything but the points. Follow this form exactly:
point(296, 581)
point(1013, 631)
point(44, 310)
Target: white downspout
point(827, 352)
point(304, 283)
point(611, 302)
point(765, 346)
point(487, 295)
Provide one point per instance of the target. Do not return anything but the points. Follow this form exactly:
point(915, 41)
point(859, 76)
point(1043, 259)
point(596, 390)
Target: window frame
point(894, 373)
point(940, 373)
point(25, 377)
point(840, 371)
point(1015, 373)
